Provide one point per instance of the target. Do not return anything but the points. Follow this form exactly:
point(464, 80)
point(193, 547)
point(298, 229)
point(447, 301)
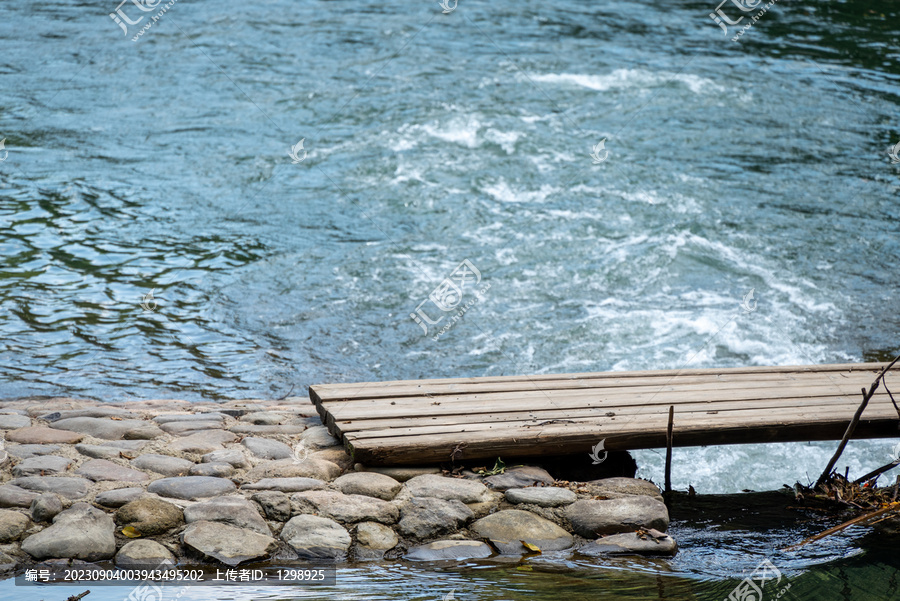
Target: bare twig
point(865, 518)
point(669, 450)
point(867, 396)
point(888, 390)
point(877, 472)
point(78, 597)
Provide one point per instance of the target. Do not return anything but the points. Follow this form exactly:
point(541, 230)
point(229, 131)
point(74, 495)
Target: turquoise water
point(162, 167)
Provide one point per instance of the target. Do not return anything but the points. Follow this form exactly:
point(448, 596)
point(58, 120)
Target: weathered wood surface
point(425, 421)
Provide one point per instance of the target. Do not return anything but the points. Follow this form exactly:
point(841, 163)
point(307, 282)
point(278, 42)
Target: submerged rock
point(508, 528)
point(631, 544)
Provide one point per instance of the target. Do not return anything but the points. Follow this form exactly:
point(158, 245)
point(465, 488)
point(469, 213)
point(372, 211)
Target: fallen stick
point(850, 429)
point(669, 450)
point(78, 597)
point(857, 520)
point(877, 472)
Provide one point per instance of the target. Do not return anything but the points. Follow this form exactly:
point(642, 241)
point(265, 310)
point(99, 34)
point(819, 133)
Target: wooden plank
point(359, 425)
point(415, 422)
point(397, 388)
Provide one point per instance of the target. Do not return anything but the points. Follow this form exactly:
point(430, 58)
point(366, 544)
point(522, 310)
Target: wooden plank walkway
point(409, 422)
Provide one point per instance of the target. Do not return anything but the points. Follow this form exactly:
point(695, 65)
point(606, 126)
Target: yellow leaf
point(130, 532)
point(530, 547)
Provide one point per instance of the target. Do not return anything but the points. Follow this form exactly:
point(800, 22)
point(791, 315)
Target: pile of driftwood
point(863, 496)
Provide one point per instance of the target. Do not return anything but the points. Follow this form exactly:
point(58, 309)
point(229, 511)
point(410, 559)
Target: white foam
point(623, 79)
point(503, 192)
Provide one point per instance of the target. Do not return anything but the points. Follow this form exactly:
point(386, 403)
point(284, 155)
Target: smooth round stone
point(24, 451)
point(373, 535)
point(286, 484)
point(45, 507)
point(190, 427)
point(13, 421)
point(369, 484)
point(267, 449)
point(507, 529)
point(42, 465)
point(98, 452)
point(80, 532)
point(548, 496)
point(590, 518)
point(12, 525)
point(264, 418)
point(101, 470)
point(205, 441)
point(217, 470)
point(314, 537)
point(163, 464)
point(191, 488)
point(144, 554)
point(440, 487)
point(43, 435)
point(71, 488)
point(318, 437)
point(229, 544)
point(118, 497)
point(13, 496)
point(235, 457)
point(449, 549)
point(150, 516)
point(188, 417)
point(630, 543)
point(100, 427)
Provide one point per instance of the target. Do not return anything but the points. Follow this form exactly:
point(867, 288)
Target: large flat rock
point(70, 488)
point(546, 496)
point(43, 435)
point(109, 429)
point(163, 464)
point(508, 528)
point(518, 477)
point(150, 516)
point(614, 488)
point(289, 468)
point(343, 508)
point(265, 448)
point(144, 554)
point(449, 489)
point(286, 484)
point(202, 442)
point(440, 550)
point(630, 543)
point(229, 544)
point(80, 532)
point(315, 537)
point(369, 484)
point(424, 518)
point(42, 465)
point(591, 518)
point(235, 511)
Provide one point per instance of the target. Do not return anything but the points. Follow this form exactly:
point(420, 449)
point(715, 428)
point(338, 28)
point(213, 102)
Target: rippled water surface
point(157, 172)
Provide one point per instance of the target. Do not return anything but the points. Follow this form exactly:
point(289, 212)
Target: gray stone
point(45, 507)
point(24, 451)
point(109, 429)
point(288, 468)
point(13, 496)
point(70, 488)
point(267, 449)
point(285, 429)
point(615, 488)
point(591, 518)
point(373, 535)
point(101, 470)
point(403, 473)
point(118, 497)
point(449, 549)
point(217, 470)
point(44, 465)
point(144, 554)
point(12, 525)
point(98, 451)
point(508, 528)
point(235, 457)
point(314, 537)
point(191, 488)
point(125, 445)
point(150, 516)
point(235, 511)
point(80, 532)
point(264, 418)
point(12, 421)
point(275, 504)
point(43, 435)
point(163, 464)
point(518, 477)
point(439, 487)
point(546, 496)
point(205, 441)
point(286, 484)
point(88, 412)
point(318, 437)
point(423, 518)
point(189, 417)
point(369, 484)
point(336, 455)
point(229, 544)
point(190, 427)
point(344, 508)
point(630, 543)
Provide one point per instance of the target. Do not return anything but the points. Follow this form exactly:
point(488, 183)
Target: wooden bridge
point(430, 421)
